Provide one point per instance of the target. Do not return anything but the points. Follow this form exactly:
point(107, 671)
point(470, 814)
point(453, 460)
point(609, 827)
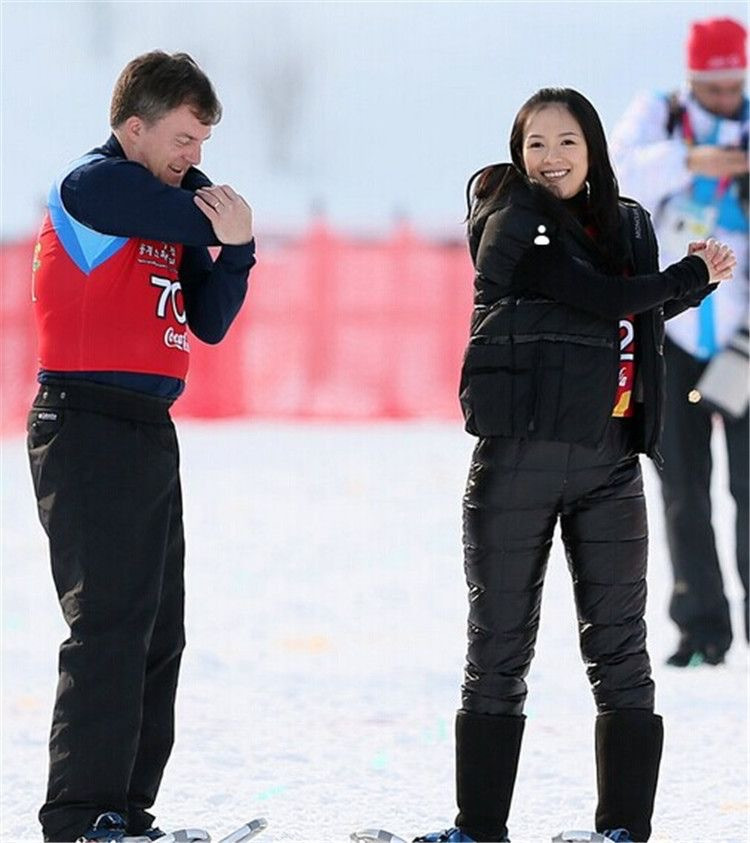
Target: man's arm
point(214, 292)
point(120, 197)
point(650, 165)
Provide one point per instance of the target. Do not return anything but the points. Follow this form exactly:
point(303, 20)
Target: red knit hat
point(716, 48)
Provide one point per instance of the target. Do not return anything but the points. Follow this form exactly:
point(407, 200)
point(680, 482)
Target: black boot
point(628, 752)
point(487, 750)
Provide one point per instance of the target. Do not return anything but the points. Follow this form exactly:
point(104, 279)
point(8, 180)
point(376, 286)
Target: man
point(121, 271)
point(685, 157)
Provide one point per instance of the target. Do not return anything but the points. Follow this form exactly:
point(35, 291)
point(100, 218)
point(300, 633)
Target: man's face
point(722, 97)
point(169, 146)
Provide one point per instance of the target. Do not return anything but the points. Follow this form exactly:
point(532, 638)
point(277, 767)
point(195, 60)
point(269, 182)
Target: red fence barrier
point(333, 328)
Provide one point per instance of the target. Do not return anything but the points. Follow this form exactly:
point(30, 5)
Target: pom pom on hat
point(716, 49)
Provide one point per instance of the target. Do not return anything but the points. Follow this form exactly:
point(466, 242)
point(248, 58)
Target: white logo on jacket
point(174, 340)
point(541, 239)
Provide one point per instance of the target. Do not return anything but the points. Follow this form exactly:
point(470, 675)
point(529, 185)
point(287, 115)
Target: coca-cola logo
point(173, 339)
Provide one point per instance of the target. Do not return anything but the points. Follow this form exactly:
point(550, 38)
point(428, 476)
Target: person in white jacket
point(684, 156)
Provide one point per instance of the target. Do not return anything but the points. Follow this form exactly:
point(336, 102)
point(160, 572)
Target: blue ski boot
point(111, 828)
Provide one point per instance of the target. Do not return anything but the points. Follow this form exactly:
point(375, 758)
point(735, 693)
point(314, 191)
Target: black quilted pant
point(517, 491)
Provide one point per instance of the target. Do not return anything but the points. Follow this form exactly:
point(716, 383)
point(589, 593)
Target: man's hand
point(717, 162)
point(718, 257)
point(230, 216)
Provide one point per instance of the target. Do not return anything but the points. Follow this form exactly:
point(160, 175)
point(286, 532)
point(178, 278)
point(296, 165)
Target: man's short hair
point(156, 82)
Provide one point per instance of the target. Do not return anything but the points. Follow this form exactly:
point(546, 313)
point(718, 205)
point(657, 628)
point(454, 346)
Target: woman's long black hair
point(491, 183)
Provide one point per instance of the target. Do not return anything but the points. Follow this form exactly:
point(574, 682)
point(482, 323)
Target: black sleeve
point(507, 257)
point(551, 272)
point(121, 197)
point(507, 235)
point(214, 291)
point(672, 307)
point(675, 307)
point(195, 178)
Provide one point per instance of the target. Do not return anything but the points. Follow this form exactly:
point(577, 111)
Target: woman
point(562, 383)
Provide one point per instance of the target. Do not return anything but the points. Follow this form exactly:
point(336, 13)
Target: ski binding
point(197, 835)
point(375, 835)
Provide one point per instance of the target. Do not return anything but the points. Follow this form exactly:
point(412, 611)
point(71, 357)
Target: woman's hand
point(718, 257)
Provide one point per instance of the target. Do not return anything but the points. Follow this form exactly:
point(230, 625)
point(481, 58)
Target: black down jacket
point(543, 355)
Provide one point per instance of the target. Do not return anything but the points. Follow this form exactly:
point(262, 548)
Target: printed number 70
point(169, 291)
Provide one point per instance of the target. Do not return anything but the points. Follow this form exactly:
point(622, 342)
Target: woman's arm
point(550, 271)
point(674, 307)
point(507, 235)
point(509, 259)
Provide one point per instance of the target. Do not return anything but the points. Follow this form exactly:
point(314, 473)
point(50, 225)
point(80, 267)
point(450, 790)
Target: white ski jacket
point(651, 168)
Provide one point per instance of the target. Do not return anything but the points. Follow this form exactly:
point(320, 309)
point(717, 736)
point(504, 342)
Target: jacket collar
point(111, 148)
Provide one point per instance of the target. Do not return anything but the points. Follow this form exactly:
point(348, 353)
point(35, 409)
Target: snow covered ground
point(325, 645)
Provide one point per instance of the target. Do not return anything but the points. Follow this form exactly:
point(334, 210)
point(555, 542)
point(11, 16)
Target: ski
point(375, 835)
point(198, 835)
point(246, 831)
point(186, 835)
point(379, 835)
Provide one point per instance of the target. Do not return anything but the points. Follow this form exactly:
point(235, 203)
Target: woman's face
point(554, 150)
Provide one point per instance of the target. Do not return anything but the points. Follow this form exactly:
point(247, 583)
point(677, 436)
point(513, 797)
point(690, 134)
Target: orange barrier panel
point(333, 327)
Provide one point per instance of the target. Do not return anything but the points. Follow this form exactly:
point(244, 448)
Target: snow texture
point(326, 612)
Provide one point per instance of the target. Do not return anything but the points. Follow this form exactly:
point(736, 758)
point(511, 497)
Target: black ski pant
point(517, 491)
point(105, 468)
point(698, 605)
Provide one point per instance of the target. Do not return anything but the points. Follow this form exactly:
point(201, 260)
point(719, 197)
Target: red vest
point(105, 303)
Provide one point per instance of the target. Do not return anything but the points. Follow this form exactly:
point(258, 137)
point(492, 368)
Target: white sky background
point(366, 110)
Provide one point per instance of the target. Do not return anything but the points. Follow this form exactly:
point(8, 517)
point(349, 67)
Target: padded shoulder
point(508, 232)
